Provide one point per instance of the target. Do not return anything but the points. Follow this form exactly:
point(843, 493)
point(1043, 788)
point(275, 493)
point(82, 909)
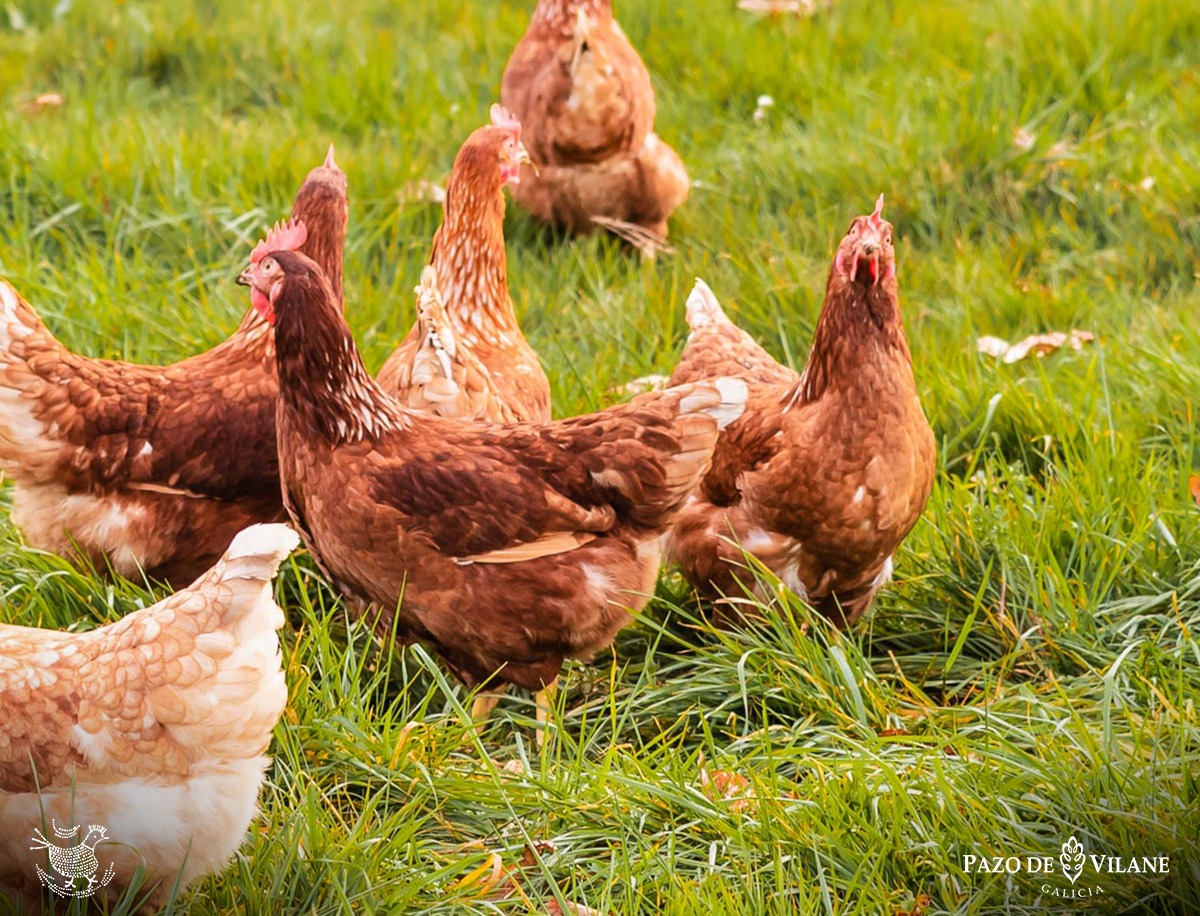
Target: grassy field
point(1034, 671)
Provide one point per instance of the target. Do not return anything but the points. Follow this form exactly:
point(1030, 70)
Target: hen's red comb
point(283, 237)
point(502, 117)
point(876, 218)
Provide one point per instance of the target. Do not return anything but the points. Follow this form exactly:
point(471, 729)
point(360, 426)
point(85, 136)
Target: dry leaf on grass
point(642, 385)
point(43, 102)
point(482, 879)
point(780, 7)
point(725, 785)
point(422, 191)
point(1034, 345)
point(573, 909)
point(920, 905)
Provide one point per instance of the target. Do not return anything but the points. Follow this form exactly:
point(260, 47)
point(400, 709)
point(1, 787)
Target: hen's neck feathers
point(859, 334)
point(322, 380)
point(562, 15)
point(321, 204)
point(471, 263)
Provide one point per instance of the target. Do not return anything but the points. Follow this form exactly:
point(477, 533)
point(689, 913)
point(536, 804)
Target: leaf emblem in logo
point(1072, 859)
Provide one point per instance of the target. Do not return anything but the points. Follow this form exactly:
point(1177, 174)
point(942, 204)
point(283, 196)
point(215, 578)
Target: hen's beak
point(870, 249)
point(244, 277)
point(523, 158)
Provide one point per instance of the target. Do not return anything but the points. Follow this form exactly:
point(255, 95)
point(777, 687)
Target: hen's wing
point(196, 676)
point(717, 347)
point(95, 423)
point(499, 494)
point(584, 98)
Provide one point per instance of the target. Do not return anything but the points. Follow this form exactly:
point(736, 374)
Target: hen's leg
point(544, 699)
point(483, 706)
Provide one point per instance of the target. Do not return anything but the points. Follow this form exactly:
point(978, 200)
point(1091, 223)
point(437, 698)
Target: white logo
point(1072, 859)
point(76, 864)
point(1071, 864)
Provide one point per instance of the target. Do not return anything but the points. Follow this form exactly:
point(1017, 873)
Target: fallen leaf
point(43, 102)
point(539, 848)
point(992, 346)
point(482, 879)
point(1034, 345)
point(642, 385)
point(920, 905)
point(573, 909)
point(779, 7)
point(423, 191)
point(725, 785)
point(1194, 486)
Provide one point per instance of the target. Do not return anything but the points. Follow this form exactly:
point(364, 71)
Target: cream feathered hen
point(443, 377)
point(153, 727)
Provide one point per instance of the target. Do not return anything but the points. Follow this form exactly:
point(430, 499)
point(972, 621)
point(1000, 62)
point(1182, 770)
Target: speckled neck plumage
point(322, 380)
point(322, 206)
point(471, 263)
point(859, 327)
point(561, 15)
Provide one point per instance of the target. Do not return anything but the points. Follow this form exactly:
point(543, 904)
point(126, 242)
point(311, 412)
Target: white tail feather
point(703, 309)
point(257, 551)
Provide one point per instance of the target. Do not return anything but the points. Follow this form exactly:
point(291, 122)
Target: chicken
point(827, 472)
point(443, 378)
point(513, 547)
point(150, 469)
point(585, 98)
point(152, 729)
point(471, 268)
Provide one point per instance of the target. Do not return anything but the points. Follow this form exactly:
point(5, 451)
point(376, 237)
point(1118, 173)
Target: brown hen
point(587, 104)
point(152, 728)
point(825, 473)
point(471, 271)
point(506, 548)
point(150, 469)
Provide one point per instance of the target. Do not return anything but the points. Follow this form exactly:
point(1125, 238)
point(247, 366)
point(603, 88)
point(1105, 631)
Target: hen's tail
point(704, 411)
point(29, 399)
point(717, 347)
point(703, 309)
point(659, 465)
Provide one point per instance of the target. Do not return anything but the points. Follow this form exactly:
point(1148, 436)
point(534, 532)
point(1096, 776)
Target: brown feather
point(584, 97)
point(149, 468)
point(497, 372)
point(505, 548)
point(825, 474)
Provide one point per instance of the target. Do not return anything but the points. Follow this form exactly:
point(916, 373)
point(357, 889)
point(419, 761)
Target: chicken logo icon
point(76, 864)
point(1071, 860)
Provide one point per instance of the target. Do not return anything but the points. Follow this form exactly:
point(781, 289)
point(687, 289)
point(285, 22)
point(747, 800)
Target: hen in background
point(587, 104)
point(506, 548)
point(150, 469)
point(827, 472)
point(153, 727)
point(470, 269)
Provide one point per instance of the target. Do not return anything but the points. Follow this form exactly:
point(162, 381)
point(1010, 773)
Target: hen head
point(493, 155)
point(865, 255)
point(265, 275)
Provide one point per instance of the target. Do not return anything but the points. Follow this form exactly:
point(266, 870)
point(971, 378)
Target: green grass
point(1035, 669)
